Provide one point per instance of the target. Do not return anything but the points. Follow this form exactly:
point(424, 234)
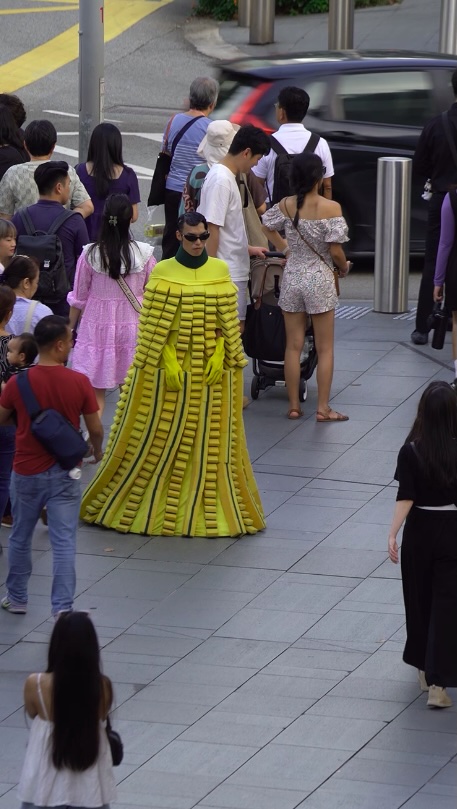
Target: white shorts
point(242, 287)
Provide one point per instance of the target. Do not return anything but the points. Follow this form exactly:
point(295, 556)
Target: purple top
point(447, 237)
point(126, 183)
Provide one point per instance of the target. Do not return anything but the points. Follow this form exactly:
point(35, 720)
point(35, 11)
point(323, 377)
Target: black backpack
point(46, 247)
point(281, 187)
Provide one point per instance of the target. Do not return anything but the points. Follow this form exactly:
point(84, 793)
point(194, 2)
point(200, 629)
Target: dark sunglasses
point(194, 237)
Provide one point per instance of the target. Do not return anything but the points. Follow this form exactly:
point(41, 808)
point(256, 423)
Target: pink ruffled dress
point(108, 326)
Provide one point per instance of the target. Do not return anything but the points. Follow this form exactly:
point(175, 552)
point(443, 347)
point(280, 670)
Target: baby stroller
point(264, 337)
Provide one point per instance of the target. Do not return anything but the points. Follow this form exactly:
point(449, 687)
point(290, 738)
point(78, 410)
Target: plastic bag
point(153, 231)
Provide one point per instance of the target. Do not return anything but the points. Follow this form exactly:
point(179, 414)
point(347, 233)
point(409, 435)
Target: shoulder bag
point(115, 743)
point(163, 163)
point(335, 272)
point(128, 293)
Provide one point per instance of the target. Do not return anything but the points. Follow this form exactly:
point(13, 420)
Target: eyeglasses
point(194, 237)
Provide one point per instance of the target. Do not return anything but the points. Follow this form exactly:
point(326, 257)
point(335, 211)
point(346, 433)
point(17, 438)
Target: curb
point(205, 37)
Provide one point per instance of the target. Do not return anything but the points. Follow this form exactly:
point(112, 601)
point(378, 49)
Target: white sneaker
point(438, 697)
point(422, 680)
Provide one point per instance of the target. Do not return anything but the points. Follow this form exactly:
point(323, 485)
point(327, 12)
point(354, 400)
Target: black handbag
point(163, 163)
point(115, 743)
point(264, 336)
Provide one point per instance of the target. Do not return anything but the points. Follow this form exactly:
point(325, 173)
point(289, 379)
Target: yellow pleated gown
point(176, 462)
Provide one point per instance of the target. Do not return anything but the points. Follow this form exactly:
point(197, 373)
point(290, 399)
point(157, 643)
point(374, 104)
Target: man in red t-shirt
point(37, 479)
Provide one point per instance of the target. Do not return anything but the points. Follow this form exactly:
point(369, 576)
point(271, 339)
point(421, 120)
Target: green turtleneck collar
point(193, 262)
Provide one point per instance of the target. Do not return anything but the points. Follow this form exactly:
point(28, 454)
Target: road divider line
point(62, 49)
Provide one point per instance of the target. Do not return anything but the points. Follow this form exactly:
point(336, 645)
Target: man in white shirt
point(291, 107)
point(222, 207)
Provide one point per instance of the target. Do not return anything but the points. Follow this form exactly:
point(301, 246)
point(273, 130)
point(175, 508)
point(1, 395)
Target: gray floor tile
point(267, 481)
point(403, 739)
point(363, 465)
point(236, 652)
point(108, 543)
point(142, 740)
point(208, 609)
point(330, 732)
point(306, 473)
point(358, 535)
point(353, 707)
point(299, 457)
point(180, 549)
point(88, 566)
point(174, 713)
point(159, 790)
point(362, 490)
point(201, 673)
point(385, 772)
point(416, 718)
point(230, 796)
point(389, 666)
point(267, 624)
point(382, 390)
point(357, 360)
point(188, 693)
point(199, 758)
point(301, 768)
point(224, 727)
point(378, 590)
point(378, 689)
point(285, 708)
point(160, 644)
point(110, 611)
point(293, 595)
point(315, 518)
point(340, 562)
point(234, 579)
point(384, 438)
point(272, 500)
point(298, 662)
point(144, 584)
point(341, 625)
point(244, 555)
point(341, 794)
point(424, 800)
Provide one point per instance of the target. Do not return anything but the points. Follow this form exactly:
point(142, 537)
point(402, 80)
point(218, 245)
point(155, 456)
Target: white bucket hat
point(217, 140)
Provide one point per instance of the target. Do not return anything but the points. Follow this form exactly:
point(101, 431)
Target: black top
point(433, 158)
point(415, 485)
point(4, 364)
point(10, 156)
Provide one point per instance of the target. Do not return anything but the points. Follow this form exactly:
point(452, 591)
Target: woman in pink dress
point(106, 299)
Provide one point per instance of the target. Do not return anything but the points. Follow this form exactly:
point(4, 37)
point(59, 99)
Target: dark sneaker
point(16, 609)
point(454, 385)
point(7, 521)
point(419, 338)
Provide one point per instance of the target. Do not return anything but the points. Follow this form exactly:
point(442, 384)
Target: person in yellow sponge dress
point(176, 462)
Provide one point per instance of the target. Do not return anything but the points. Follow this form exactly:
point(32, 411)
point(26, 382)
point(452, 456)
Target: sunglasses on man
point(194, 237)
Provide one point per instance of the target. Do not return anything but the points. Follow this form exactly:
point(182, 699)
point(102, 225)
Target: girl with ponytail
point(108, 291)
point(315, 229)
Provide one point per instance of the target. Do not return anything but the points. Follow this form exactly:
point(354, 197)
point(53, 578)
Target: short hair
point(40, 137)
point(7, 301)
point(295, 102)
point(454, 82)
point(203, 92)
point(50, 329)
point(16, 106)
point(18, 269)
point(28, 346)
point(48, 174)
point(250, 137)
point(192, 219)
point(7, 229)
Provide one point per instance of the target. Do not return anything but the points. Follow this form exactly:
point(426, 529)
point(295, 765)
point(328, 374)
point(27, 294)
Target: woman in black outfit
point(12, 149)
point(427, 500)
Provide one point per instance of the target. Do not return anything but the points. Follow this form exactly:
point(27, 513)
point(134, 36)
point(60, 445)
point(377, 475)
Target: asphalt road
point(148, 69)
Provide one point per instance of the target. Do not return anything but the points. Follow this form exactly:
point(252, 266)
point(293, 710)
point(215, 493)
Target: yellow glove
point(215, 366)
point(173, 372)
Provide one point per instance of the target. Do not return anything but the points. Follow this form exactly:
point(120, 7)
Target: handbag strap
point(449, 138)
point(128, 294)
point(306, 240)
point(183, 132)
point(27, 395)
point(29, 316)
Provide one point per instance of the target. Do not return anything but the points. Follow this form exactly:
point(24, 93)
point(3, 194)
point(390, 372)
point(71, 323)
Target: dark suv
point(367, 104)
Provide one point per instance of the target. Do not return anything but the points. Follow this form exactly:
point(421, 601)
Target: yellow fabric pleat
point(176, 463)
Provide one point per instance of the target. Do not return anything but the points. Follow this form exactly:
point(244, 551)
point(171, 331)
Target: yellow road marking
point(39, 10)
point(62, 49)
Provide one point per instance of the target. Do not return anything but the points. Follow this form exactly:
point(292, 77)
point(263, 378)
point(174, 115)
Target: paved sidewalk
point(409, 25)
point(266, 672)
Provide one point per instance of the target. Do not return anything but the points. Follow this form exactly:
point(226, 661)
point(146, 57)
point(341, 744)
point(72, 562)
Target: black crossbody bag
point(163, 163)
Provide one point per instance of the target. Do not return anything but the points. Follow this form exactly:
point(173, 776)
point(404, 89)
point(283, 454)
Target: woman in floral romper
point(314, 229)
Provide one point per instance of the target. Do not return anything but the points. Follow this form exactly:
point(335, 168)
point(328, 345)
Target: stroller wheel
point(255, 387)
point(303, 390)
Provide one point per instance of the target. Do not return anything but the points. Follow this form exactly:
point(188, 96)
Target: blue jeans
point(7, 440)
point(62, 497)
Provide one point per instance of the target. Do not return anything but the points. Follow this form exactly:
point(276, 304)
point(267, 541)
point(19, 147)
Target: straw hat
point(217, 140)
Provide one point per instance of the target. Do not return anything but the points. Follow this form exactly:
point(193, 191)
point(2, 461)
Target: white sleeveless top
point(43, 785)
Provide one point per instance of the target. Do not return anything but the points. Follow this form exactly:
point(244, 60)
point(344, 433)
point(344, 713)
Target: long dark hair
point(306, 170)
point(77, 690)
point(434, 434)
point(18, 269)
point(7, 301)
point(9, 132)
point(114, 241)
point(105, 152)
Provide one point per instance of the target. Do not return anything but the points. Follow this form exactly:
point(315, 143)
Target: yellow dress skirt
point(176, 462)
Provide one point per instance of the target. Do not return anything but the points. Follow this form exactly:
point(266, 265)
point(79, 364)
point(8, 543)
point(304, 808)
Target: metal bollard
point(448, 27)
point(244, 13)
point(393, 207)
point(91, 70)
point(341, 25)
point(262, 22)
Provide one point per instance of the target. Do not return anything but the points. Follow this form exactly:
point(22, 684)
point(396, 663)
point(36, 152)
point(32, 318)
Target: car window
point(316, 90)
point(403, 98)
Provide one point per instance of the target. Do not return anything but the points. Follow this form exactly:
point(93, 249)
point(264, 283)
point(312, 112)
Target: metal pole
point(448, 27)
point(393, 208)
point(91, 70)
point(341, 25)
point(244, 13)
point(262, 22)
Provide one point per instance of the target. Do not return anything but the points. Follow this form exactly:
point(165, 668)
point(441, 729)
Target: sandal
point(321, 417)
point(291, 416)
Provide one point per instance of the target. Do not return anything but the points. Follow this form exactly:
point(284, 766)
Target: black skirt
point(429, 575)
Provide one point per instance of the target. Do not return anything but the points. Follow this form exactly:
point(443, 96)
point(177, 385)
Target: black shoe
point(419, 338)
point(454, 385)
